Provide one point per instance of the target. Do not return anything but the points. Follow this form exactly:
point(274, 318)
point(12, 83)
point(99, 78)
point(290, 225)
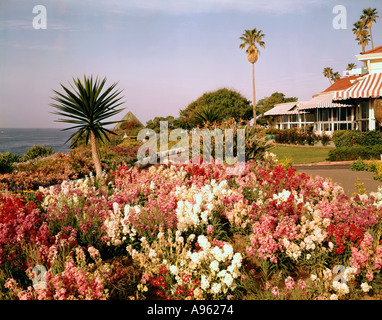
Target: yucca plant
point(207, 114)
point(87, 106)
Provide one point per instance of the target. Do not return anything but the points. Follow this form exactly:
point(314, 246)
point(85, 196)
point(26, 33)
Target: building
point(351, 103)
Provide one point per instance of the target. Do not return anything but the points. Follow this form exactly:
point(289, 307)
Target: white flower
point(152, 253)
point(216, 288)
point(204, 283)
point(214, 266)
point(365, 287)
point(333, 297)
point(313, 277)
point(174, 270)
point(308, 256)
point(228, 279)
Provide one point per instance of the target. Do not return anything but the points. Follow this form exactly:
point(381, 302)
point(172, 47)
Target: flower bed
point(192, 231)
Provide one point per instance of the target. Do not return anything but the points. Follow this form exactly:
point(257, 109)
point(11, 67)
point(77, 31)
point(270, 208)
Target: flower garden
point(191, 231)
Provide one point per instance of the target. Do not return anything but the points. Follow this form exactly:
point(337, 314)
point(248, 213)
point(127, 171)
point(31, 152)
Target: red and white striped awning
point(321, 101)
point(369, 86)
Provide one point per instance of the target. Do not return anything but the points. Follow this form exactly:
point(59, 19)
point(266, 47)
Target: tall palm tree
point(362, 34)
point(369, 17)
point(351, 66)
point(250, 39)
point(86, 106)
point(328, 73)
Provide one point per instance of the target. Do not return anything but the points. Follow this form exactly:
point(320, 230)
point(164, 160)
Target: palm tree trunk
point(254, 95)
point(95, 154)
point(371, 38)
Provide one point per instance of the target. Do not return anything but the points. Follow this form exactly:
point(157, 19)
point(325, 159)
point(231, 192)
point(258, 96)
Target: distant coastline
point(19, 140)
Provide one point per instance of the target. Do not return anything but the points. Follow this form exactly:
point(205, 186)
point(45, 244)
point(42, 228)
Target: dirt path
point(341, 174)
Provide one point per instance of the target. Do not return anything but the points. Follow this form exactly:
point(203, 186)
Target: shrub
point(353, 153)
point(350, 138)
point(7, 160)
point(325, 139)
point(37, 152)
point(358, 165)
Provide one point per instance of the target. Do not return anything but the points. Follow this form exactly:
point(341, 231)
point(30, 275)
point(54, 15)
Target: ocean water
point(18, 141)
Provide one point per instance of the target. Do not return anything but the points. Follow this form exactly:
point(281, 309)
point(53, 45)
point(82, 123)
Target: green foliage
point(358, 165)
point(350, 138)
point(6, 161)
point(155, 123)
point(353, 153)
point(37, 152)
point(267, 103)
point(228, 103)
point(295, 136)
point(206, 114)
point(87, 107)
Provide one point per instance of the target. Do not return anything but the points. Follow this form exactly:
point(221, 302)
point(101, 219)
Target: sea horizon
point(19, 140)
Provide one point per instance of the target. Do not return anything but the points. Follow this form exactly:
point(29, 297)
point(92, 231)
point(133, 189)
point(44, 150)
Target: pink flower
point(210, 229)
point(275, 291)
point(289, 283)
point(370, 276)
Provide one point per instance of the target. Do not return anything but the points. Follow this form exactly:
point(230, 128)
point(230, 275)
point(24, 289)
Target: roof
point(321, 101)
point(342, 84)
point(282, 109)
point(369, 86)
point(375, 50)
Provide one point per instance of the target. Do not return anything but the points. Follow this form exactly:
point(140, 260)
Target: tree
point(250, 39)
point(228, 103)
point(267, 103)
point(362, 34)
point(369, 17)
point(331, 75)
point(87, 106)
point(351, 66)
point(335, 76)
point(154, 124)
point(328, 72)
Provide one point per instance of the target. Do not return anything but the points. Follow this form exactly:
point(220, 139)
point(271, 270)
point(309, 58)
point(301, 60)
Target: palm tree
point(362, 34)
point(250, 39)
point(328, 73)
point(87, 106)
point(351, 66)
point(368, 18)
point(335, 76)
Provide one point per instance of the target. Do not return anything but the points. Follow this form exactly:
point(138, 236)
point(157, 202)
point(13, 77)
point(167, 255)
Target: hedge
point(353, 153)
point(351, 138)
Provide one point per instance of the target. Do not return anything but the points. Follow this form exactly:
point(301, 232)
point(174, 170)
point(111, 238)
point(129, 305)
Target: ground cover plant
point(191, 231)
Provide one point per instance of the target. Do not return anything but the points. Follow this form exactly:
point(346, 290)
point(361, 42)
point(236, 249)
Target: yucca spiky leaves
point(87, 105)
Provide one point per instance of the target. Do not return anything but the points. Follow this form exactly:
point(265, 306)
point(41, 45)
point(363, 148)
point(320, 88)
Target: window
point(365, 109)
point(349, 112)
point(325, 115)
point(293, 118)
point(342, 114)
point(284, 118)
point(335, 114)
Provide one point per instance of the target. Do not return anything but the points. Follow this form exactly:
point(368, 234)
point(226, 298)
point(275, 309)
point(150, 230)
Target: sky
point(164, 54)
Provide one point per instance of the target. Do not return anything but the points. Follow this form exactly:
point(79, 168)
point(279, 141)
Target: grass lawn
point(301, 154)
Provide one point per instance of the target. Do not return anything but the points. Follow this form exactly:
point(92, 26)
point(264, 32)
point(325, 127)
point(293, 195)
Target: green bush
point(37, 151)
point(350, 138)
point(293, 136)
point(7, 160)
point(358, 165)
point(353, 153)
